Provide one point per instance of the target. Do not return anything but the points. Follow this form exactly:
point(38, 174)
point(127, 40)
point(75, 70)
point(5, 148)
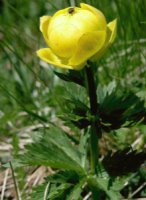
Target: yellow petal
point(63, 40)
point(44, 24)
point(66, 29)
point(105, 46)
point(113, 28)
point(88, 45)
point(100, 17)
point(65, 11)
point(111, 34)
point(48, 56)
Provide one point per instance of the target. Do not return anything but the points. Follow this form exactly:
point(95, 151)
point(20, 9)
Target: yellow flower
point(75, 35)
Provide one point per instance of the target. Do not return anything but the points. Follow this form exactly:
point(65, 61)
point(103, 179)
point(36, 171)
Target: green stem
point(15, 183)
point(94, 132)
point(91, 88)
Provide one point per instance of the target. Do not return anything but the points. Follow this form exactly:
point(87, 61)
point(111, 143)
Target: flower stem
point(91, 89)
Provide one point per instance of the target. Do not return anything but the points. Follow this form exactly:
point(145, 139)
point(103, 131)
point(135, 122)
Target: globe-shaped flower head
point(75, 35)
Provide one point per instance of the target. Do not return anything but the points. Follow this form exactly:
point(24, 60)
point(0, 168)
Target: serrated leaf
point(58, 186)
point(81, 123)
point(83, 146)
point(38, 192)
point(123, 162)
point(104, 91)
point(77, 113)
point(57, 192)
point(102, 184)
point(75, 193)
point(119, 108)
point(53, 191)
point(63, 177)
point(118, 183)
point(62, 185)
point(55, 150)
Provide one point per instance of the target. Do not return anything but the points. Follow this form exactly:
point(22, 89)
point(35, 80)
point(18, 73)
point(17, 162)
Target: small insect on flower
point(75, 35)
point(71, 10)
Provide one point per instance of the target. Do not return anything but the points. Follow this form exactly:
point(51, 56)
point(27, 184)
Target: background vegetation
point(31, 96)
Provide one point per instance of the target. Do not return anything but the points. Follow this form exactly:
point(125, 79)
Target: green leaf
point(104, 91)
point(66, 180)
point(119, 107)
point(57, 192)
point(63, 177)
point(75, 193)
point(49, 191)
point(55, 150)
point(77, 113)
point(71, 76)
point(123, 162)
point(83, 147)
point(101, 183)
point(38, 192)
point(61, 185)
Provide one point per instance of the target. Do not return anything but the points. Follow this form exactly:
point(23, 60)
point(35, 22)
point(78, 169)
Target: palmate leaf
point(75, 193)
point(77, 113)
point(119, 107)
point(123, 162)
point(49, 191)
point(67, 185)
point(38, 192)
point(64, 176)
point(103, 184)
point(54, 149)
point(61, 185)
point(58, 192)
point(80, 112)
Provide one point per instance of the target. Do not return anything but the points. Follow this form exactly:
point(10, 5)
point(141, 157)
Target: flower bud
point(75, 35)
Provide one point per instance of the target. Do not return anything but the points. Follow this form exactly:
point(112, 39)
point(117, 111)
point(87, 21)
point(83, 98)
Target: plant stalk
point(94, 132)
point(15, 183)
